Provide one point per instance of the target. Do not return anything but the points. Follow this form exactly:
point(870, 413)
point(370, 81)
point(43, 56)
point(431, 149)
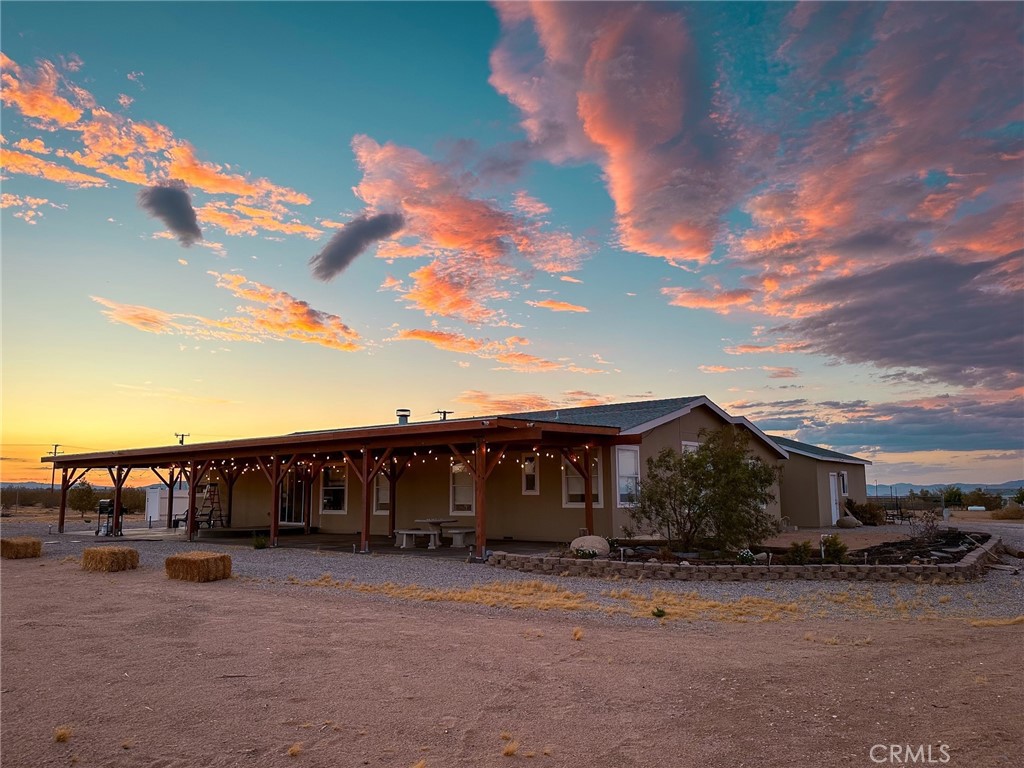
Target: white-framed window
point(463, 491)
point(689, 446)
point(844, 485)
point(381, 495)
point(333, 482)
point(627, 463)
point(531, 474)
point(573, 492)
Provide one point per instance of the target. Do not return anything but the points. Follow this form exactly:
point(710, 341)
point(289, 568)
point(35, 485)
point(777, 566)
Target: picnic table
point(434, 523)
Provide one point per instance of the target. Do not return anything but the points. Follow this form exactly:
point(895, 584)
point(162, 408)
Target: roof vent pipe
point(403, 415)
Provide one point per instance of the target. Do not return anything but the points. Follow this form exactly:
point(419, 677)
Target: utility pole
point(53, 467)
point(181, 441)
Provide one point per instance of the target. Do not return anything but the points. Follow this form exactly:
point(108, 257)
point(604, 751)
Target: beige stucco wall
point(687, 428)
point(806, 498)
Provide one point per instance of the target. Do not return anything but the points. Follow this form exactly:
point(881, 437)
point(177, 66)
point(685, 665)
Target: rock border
point(970, 568)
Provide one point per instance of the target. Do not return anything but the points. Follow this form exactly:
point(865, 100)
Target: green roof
point(621, 415)
point(815, 451)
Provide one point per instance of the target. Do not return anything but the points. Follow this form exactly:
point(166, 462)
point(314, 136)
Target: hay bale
point(21, 546)
point(198, 566)
point(109, 559)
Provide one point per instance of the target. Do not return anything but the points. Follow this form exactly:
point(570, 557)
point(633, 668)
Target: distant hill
point(56, 486)
point(902, 489)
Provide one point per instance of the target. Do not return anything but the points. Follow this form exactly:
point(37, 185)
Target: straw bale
point(21, 546)
point(198, 566)
point(109, 559)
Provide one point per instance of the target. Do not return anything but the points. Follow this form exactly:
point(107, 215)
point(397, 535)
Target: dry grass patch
point(420, 764)
point(998, 622)
point(577, 633)
point(1008, 514)
point(510, 748)
point(109, 559)
point(62, 733)
point(21, 547)
point(295, 749)
point(500, 594)
point(691, 606)
point(198, 566)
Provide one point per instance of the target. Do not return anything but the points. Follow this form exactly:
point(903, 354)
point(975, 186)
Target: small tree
point(1019, 496)
point(952, 496)
point(718, 491)
point(82, 498)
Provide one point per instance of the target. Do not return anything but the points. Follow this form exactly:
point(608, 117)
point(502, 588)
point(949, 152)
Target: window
point(463, 490)
point(689, 446)
point(627, 460)
point(844, 487)
point(333, 486)
point(531, 474)
point(573, 494)
point(381, 495)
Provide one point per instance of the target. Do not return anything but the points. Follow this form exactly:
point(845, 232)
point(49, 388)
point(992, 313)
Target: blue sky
point(812, 214)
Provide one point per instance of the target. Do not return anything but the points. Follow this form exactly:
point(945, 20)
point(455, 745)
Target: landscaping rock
point(848, 521)
point(597, 543)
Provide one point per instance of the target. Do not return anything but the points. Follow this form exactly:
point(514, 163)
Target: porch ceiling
point(400, 438)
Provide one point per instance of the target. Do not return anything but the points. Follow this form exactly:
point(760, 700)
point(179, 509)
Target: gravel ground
point(999, 594)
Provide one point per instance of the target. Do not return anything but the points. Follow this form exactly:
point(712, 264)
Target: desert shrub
point(868, 513)
point(717, 492)
point(745, 557)
point(834, 549)
point(800, 552)
point(259, 541)
point(82, 497)
point(584, 554)
point(924, 527)
point(1009, 513)
point(979, 498)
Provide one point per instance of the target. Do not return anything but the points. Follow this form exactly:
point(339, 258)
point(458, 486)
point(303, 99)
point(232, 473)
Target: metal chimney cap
point(403, 412)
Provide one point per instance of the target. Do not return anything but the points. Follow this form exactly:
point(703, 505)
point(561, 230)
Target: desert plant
point(259, 541)
point(745, 557)
point(82, 498)
point(1008, 513)
point(925, 526)
point(718, 491)
point(833, 549)
point(980, 498)
point(800, 552)
point(1018, 496)
point(584, 554)
point(868, 513)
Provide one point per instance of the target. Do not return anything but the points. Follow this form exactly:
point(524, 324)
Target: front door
point(833, 492)
point(293, 499)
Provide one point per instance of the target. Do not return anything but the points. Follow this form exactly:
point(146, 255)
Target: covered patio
point(476, 446)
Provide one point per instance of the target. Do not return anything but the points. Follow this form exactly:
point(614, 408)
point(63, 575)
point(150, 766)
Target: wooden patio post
point(480, 496)
point(190, 521)
point(170, 495)
point(63, 499)
point(275, 500)
point(119, 479)
point(367, 499)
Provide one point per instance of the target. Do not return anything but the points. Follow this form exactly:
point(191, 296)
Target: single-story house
point(541, 475)
point(816, 483)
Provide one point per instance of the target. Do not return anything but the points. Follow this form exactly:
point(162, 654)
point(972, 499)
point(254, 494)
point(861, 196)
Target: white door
point(833, 492)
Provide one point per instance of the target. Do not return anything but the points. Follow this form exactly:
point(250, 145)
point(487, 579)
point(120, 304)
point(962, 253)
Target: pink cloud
point(557, 306)
point(722, 302)
point(35, 94)
point(485, 403)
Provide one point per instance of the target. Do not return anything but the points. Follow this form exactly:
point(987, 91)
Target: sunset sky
point(233, 220)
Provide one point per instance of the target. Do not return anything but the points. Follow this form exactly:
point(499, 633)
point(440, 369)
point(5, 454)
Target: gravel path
point(999, 594)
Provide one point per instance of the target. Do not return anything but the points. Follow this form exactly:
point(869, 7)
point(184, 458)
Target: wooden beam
point(63, 499)
point(495, 459)
point(367, 499)
point(275, 500)
point(190, 513)
point(588, 493)
point(480, 497)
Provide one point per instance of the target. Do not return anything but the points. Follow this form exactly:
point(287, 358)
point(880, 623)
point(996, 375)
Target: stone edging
point(970, 568)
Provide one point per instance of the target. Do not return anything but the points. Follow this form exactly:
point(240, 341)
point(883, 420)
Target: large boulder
point(848, 521)
point(596, 543)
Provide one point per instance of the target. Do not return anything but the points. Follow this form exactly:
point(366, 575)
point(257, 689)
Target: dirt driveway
point(148, 672)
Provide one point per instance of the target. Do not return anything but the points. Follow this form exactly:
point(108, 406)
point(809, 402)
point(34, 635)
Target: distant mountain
point(46, 486)
point(902, 489)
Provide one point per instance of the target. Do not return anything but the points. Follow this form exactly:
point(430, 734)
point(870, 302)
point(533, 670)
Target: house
point(816, 483)
point(540, 475)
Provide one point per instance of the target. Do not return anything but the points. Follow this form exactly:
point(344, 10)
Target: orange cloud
point(213, 178)
point(32, 145)
point(30, 165)
point(485, 403)
point(35, 94)
point(272, 315)
point(780, 372)
point(27, 207)
point(718, 369)
point(569, 279)
point(240, 219)
point(755, 349)
point(557, 306)
point(477, 248)
point(722, 302)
